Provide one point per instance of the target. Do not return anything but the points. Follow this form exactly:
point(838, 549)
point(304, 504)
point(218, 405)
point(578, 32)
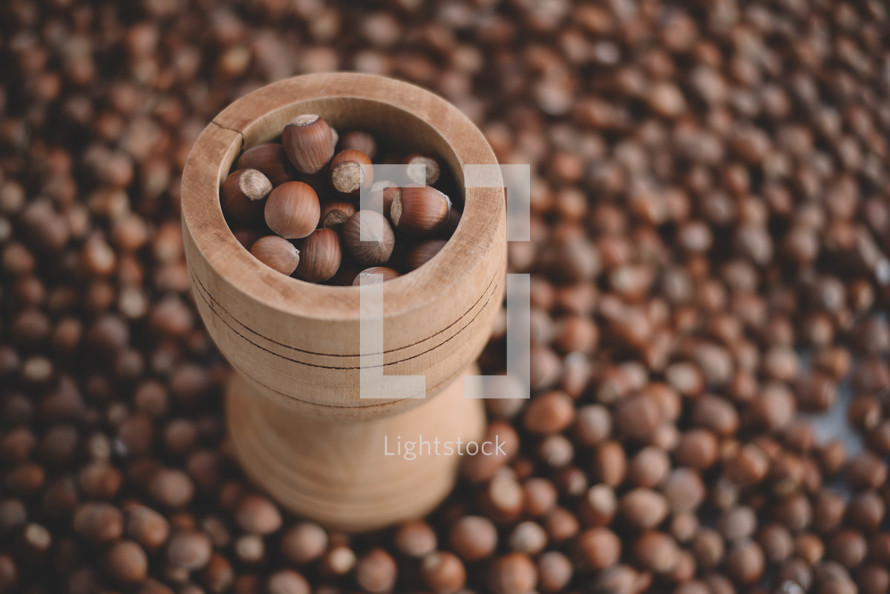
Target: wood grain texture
point(338, 473)
point(295, 416)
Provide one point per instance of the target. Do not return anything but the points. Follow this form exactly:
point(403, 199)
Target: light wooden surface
point(339, 473)
point(296, 344)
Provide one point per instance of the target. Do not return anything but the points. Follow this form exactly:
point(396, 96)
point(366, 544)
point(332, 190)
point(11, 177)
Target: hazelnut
point(242, 195)
point(655, 551)
point(598, 548)
point(257, 515)
point(304, 542)
point(422, 252)
point(321, 256)
point(351, 171)
point(308, 142)
point(286, 581)
point(378, 242)
point(420, 210)
point(189, 550)
point(416, 538)
point(514, 572)
point(550, 412)
point(643, 508)
point(360, 141)
point(473, 537)
point(382, 194)
point(335, 214)
point(127, 562)
point(745, 562)
point(388, 274)
point(268, 158)
point(598, 506)
point(339, 560)
point(423, 170)
point(618, 578)
point(277, 253)
point(98, 522)
point(147, 527)
point(554, 571)
point(292, 210)
point(376, 571)
point(450, 225)
point(527, 537)
point(443, 572)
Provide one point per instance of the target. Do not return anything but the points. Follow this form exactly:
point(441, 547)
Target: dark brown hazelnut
point(351, 170)
point(268, 158)
point(419, 210)
point(335, 214)
point(309, 143)
point(320, 256)
point(242, 195)
point(422, 252)
point(277, 253)
point(369, 238)
point(292, 210)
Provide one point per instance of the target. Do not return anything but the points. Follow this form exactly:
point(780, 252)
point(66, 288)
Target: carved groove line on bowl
point(487, 294)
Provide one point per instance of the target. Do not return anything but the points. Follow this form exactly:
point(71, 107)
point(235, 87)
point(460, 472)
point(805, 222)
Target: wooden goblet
point(296, 419)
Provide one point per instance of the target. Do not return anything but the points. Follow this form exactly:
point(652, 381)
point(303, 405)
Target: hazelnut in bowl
point(297, 416)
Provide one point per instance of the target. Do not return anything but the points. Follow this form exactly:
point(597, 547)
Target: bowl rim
point(245, 122)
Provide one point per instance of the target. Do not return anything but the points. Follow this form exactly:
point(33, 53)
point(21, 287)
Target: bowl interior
point(394, 129)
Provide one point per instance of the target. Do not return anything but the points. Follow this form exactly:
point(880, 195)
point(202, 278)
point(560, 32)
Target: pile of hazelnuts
point(296, 206)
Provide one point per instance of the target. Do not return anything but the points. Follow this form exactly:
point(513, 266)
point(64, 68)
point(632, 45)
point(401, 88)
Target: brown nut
point(388, 274)
point(292, 210)
point(655, 551)
point(269, 158)
point(242, 195)
point(127, 562)
point(256, 514)
point(443, 572)
point(473, 537)
point(335, 214)
point(415, 538)
point(189, 550)
point(147, 527)
point(320, 256)
point(304, 542)
point(378, 242)
point(360, 141)
point(382, 194)
point(98, 522)
point(308, 142)
point(351, 171)
point(450, 225)
point(285, 581)
point(643, 508)
point(422, 252)
point(419, 210)
point(277, 253)
point(422, 169)
point(598, 548)
point(511, 573)
point(376, 571)
point(554, 571)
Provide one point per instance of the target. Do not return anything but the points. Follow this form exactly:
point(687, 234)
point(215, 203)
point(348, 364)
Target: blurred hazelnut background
point(710, 281)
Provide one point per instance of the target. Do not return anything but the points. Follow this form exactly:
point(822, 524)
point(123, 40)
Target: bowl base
point(353, 475)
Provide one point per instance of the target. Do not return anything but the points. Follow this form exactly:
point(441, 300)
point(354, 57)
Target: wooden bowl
point(295, 345)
